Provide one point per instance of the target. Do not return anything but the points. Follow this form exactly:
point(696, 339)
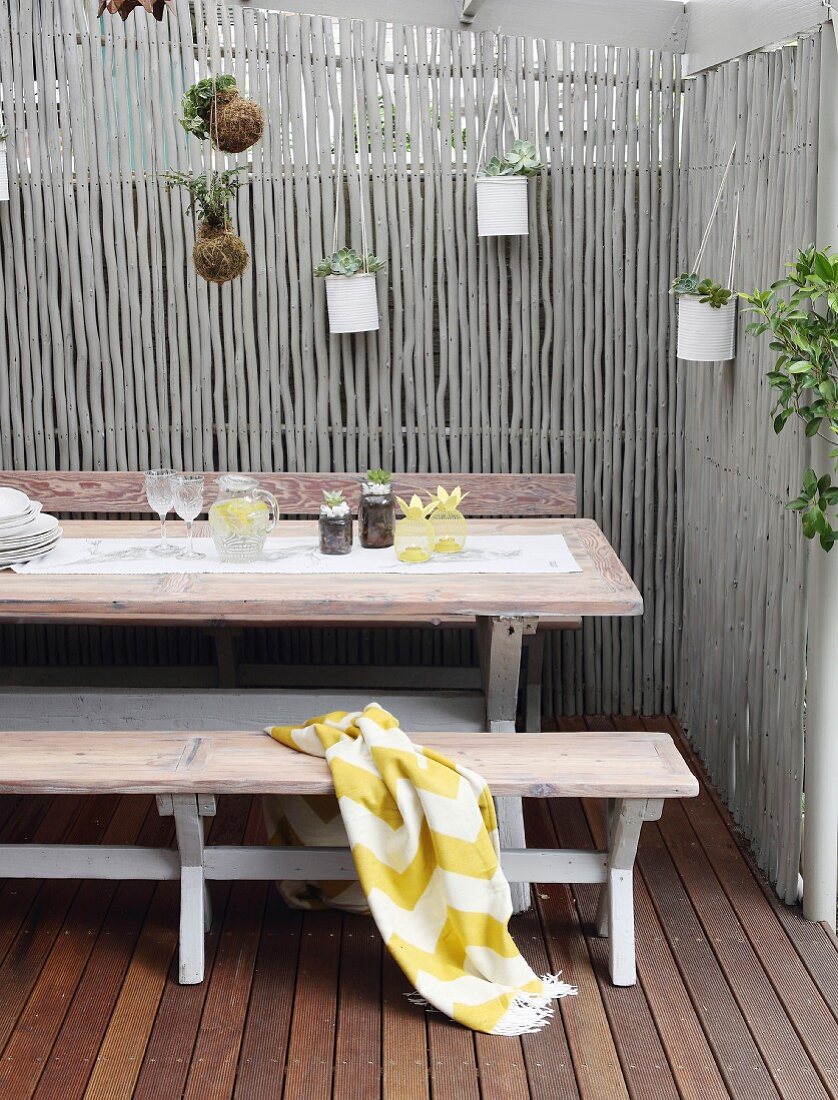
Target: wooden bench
point(545, 496)
point(185, 770)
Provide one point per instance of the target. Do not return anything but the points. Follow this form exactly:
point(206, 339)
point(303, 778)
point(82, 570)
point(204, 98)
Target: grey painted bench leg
point(189, 811)
point(501, 639)
point(602, 908)
point(616, 913)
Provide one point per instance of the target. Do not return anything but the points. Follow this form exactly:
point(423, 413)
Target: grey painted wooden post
point(500, 640)
point(820, 865)
point(189, 811)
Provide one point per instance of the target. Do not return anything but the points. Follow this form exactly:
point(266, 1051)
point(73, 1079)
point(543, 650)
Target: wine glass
point(159, 493)
point(189, 500)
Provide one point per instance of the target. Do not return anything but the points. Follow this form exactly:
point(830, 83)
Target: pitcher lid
point(237, 483)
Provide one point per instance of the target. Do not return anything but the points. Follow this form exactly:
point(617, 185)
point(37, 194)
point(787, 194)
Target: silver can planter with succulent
point(706, 319)
point(502, 192)
point(335, 525)
point(4, 171)
point(377, 511)
point(351, 293)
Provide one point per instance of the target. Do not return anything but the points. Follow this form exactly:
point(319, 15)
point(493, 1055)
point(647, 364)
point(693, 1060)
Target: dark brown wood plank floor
point(736, 997)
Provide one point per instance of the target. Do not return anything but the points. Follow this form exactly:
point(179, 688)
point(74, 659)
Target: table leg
point(501, 639)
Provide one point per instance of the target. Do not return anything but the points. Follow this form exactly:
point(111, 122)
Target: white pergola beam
point(722, 29)
point(655, 24)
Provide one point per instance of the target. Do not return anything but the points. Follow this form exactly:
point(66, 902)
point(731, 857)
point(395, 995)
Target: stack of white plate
point(25, 531)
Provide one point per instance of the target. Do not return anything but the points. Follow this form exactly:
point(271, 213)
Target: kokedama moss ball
point(234, 123)
point(219, 255)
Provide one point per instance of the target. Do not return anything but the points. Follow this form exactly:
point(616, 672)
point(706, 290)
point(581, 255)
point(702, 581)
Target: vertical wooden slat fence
point(551, 352)
point(742, 657)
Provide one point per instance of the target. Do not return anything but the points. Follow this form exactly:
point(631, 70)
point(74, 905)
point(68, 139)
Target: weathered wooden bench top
point(606, 765)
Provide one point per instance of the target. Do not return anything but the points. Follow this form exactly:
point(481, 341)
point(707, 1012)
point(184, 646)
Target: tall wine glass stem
point(163, 544)
point(189, 537)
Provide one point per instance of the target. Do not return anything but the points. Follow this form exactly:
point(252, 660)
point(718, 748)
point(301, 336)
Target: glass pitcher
point(241, 518)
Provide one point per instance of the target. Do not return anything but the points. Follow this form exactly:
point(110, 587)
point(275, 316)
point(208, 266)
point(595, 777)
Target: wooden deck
point(737, 996)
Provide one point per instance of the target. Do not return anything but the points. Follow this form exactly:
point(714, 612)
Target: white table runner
point(301, 556)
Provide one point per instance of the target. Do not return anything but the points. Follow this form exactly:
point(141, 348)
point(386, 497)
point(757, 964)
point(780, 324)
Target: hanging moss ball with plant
point(219, 255)
point(214, 109)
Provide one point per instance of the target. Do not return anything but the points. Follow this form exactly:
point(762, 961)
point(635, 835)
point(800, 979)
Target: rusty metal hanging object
point(123, 8)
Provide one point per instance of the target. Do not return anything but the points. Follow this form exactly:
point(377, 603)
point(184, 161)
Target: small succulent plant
point(348, 262)
point(712, 294)
point(333, 500)
point(520, 160)
point(197, 102)
point(378, 477)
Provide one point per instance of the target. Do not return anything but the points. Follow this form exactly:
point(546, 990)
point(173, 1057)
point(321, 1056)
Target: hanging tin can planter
point(501, 182)
point(502, 206)
point(706, 334)
point(351, 293)
point(706, 309)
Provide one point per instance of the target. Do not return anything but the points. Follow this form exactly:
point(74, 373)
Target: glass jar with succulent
point(214, 110)
point(351, 294)
point(219, 255)
point(706, 319)
point(415, 534)
point(377, 511)
point(502, 202)
point(335, 524)
point(804, 334)
point(449, 523)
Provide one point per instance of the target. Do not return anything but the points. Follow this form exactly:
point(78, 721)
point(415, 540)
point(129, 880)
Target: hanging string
point(712, 217)
point(361, 188)
point(338, 179)
point(495, 98)
point(486, 127)
point(733, 245)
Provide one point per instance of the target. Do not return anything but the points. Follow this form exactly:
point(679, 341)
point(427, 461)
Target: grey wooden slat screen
point(551, 352)
point(742, 658)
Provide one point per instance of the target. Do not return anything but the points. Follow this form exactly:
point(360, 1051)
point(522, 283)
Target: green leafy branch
point(209, 196)
point(804, 334)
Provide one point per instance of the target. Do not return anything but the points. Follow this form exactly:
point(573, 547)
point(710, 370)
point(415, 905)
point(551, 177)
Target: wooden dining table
point(504, 608)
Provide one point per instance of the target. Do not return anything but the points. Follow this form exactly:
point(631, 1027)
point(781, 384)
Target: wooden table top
point(603, 587)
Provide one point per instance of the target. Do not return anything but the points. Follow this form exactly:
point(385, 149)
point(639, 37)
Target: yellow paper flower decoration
point(447, 502)
point(415, 509)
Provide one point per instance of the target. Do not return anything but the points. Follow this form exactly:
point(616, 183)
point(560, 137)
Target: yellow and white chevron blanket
point(424, 838)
